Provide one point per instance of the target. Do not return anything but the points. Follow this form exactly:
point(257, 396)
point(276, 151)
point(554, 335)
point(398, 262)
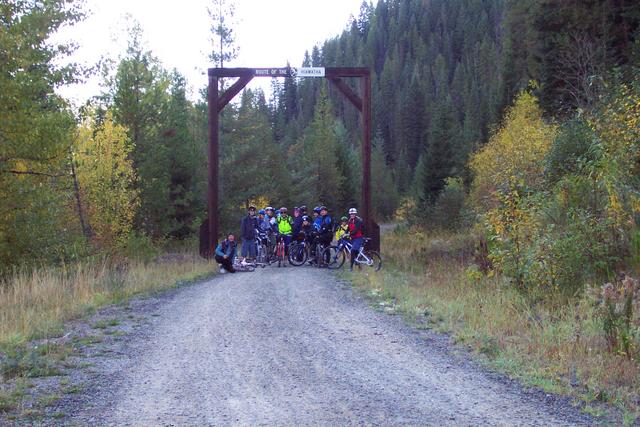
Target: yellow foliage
point(106, 177)
point(509, 167)
point(617, 125)
point(260, 202)
point(514, 155)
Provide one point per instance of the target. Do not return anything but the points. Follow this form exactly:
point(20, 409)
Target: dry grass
point(35, 304)
point(559, 348)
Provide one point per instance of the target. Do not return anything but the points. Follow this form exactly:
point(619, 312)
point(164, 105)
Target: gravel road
point(294, 346)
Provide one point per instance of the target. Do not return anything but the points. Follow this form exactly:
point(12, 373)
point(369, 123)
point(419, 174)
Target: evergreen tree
point(440, 160)
point(223, 48)
point(316, 175)
point(183, 161)
point(138, 95)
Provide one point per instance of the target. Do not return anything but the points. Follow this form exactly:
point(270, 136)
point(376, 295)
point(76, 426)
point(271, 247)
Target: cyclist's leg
point(326, 243)
point(251, 249)
point(313, 247)
point(356, 243)
point(245, 248)
point(287, 243)
point(226, 263)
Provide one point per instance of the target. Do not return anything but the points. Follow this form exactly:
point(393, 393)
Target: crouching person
point(226, 253)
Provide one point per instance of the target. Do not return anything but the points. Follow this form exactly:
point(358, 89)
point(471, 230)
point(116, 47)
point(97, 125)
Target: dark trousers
point(226, 263)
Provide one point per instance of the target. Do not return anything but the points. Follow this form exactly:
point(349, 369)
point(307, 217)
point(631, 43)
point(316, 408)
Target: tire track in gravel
point(295, 347)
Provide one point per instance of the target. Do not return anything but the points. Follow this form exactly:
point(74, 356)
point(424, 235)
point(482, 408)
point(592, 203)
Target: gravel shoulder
point(291, 346)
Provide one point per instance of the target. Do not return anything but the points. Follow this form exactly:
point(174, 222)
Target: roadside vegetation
point(535, 261)
point(433, 281)
point(35, 303)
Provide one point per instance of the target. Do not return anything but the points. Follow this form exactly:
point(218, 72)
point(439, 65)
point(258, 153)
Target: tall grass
point(560, 347)
point(35, 303)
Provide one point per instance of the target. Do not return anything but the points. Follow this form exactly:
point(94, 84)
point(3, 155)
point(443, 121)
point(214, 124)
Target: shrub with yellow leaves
point(514, 155)
point(106, 177)
point(617, 125)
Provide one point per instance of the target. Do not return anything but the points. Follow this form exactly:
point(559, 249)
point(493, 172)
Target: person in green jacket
point(285, 227)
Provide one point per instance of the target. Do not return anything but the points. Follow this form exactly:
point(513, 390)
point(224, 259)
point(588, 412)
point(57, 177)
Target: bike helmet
point(269, 208)
point(296, 209)
point(303, 208)
point(262, 212)
point(353, 211)
point(283, 209)
point(305, 218)
point(323, 208)
point(344, 219)
point(316, 209)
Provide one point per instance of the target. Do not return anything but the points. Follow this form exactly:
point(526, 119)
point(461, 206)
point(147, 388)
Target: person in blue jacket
point(325, 233)
point(225, 253)
point(264, 226)
point(317, 221)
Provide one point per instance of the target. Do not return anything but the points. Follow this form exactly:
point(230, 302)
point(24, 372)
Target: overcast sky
point(269, 33)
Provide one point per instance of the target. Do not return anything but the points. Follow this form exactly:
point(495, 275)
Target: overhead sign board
point(307, 72)
point(289, 72)
point(272, 72)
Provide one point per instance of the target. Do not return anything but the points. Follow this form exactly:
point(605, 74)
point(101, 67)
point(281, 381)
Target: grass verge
point(35, 304)
point(558, 347)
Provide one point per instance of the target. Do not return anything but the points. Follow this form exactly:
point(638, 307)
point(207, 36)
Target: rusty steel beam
point(233, 91)
point(367, 210)
point(286, 72)
point(348, 92)
point(231, 72)
point(346, 72)
point(214, 160)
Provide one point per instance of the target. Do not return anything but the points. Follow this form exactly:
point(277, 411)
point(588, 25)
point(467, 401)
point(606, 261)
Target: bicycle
point(242, 267)
point(299, 251)
point(280, 250)
point(337, 254)
point(263, 254)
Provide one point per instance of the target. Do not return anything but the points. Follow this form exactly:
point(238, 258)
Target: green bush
point(572, 150)
point(449, 212)
point(563, 259)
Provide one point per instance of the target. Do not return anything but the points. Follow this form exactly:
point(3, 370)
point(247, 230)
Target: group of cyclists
point(315, 229)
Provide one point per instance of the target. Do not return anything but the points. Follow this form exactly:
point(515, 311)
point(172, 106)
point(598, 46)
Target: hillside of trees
point(130, 167)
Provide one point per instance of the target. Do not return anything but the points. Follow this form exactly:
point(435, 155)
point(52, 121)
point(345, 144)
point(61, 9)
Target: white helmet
point(353, 211)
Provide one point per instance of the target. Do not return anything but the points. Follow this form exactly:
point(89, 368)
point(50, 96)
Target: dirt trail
point(295, 347)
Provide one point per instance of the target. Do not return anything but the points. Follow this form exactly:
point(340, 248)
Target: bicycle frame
point(361, 258)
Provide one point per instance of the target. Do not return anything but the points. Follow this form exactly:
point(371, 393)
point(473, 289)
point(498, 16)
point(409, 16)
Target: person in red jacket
point(356, 233)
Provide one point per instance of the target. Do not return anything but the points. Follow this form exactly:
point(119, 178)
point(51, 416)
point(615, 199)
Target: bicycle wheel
point(334, 257)
point(297, 254)
point(280, 253)
point(375, 261)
